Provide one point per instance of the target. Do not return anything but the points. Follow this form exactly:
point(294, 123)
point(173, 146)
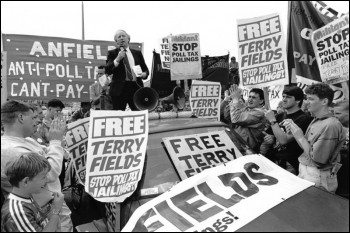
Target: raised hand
point(293, 128)
point(235, 92)
point(270, 115)
point(121, 55)
point(57, 129)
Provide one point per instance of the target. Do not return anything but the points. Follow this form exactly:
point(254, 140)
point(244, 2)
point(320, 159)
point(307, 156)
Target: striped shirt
point(20, 214)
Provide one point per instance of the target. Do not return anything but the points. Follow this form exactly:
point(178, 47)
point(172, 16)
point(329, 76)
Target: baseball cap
point(295, 91)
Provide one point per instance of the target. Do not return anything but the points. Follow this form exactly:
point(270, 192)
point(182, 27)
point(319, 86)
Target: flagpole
point(292, 74)
point(2, 47)
point(151, 78)
point(82, 15)
point(82, 37)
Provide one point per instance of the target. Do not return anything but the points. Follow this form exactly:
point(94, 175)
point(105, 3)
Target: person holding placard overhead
point(128, 68)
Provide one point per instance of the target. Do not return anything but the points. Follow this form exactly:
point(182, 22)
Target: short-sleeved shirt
point(326, 137)
point(20, 214)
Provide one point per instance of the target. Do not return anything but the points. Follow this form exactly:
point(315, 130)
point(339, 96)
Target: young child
point(27, 175)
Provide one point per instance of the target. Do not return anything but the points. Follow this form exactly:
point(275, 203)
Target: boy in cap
point(287, 149)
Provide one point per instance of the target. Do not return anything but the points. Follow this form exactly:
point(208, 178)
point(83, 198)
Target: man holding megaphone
point(128, 68)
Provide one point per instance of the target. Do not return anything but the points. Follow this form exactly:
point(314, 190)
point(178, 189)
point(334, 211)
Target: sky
point(147, 22)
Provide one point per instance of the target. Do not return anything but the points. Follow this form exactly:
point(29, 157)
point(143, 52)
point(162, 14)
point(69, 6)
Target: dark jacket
point(119, 73)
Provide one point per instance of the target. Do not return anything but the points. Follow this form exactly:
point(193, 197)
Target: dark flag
point(216, 69)
point(305, 17)
point(160, 80)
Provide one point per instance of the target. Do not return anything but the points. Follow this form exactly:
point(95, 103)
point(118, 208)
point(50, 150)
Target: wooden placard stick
point(266, 98)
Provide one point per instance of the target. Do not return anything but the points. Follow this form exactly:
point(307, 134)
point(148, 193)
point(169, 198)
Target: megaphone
point(146, 98)
point(177, 98)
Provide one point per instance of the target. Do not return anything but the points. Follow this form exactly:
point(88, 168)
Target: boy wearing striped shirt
point(20, 213)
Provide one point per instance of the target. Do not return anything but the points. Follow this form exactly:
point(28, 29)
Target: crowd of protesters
point(312, 144)
point(20, 123)
point(308, 135)
point(33, 161)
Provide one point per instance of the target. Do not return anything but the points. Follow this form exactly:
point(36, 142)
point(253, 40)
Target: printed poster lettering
point(331, 46)
point(77, 140)
point(165, 52)
point(195, 153)
point(219, 199)
point(53, 67)
point(262, 52)
point(185, 57)
point(205, 99)
point(116, 154)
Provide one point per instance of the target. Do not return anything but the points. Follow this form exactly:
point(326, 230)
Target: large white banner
point(331, 46)
point(205, 99)
point(262, 52)
point(76, 140)
point(195, 153)
point(223, 198)
point(185, 57)
point(116, 153)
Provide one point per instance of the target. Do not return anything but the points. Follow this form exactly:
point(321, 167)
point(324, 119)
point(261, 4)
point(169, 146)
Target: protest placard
point(185, 57)
point(52, 67)
point(165, 52)
point(116, 153)
point(195, 153)
point(205, 99)
point(331, 47)
point(222, 198)
point(3, 77)
point(76, 140)
point(262, 52)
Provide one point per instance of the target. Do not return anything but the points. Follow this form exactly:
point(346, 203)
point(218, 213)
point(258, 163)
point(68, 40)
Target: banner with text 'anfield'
point(47, 68)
